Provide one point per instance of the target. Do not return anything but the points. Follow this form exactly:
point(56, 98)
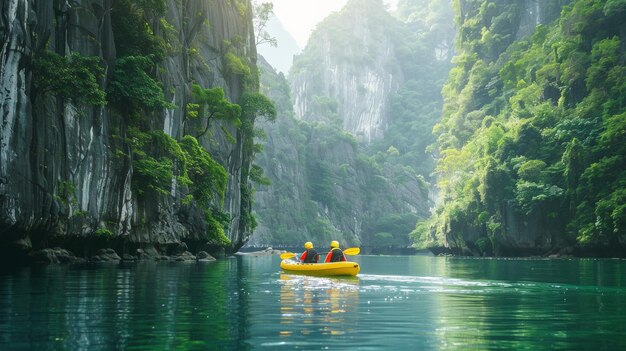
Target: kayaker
point(335, 254)
point(309, 255)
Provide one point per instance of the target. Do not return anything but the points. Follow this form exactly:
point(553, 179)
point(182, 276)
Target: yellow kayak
point(322, 269)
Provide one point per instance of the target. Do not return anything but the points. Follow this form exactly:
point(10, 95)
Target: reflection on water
point(317, 305)
point(242, 303)
point(138, 306)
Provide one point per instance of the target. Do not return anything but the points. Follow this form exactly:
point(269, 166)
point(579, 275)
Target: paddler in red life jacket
point(335, 254)
point(309, 255)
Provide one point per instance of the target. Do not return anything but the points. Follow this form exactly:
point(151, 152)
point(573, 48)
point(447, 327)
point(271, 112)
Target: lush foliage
point(208, 178)
point(74, 78)
point(132, 86)
point(211, 104)
point(157, 158)
point(533, 130)
point(239, 66)
point(254, 106)
point(133, 34)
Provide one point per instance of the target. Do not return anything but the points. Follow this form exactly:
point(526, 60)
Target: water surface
point(244, 303)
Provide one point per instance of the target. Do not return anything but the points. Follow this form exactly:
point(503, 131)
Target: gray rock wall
point(358, 75)
point(58, 173)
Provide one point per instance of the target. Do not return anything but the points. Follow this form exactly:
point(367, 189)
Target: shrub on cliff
point(74, 78)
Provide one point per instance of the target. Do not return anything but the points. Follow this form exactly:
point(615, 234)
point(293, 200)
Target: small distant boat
point(343, 268)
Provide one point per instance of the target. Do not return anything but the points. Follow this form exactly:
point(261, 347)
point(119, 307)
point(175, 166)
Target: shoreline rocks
point(265, 252)
point(55, 255)
point(58, 255)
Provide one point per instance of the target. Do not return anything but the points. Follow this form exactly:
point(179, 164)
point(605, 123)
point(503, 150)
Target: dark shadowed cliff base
point(559, 252)
point(78, 250)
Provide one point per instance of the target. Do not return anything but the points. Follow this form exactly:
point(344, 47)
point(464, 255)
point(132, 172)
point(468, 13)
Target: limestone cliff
point(347, 155)
point(349, 68)
point(325, 187)
point(65, 176)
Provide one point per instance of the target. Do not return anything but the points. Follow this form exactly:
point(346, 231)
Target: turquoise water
point(245, 303)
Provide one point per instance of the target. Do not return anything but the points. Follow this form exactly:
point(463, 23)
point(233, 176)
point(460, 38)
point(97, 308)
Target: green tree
point(132, 88)
point(257, 105)
point(211, 104)
point(262, 14)
point(531, 170)
point(74, 78)
point(208, 178)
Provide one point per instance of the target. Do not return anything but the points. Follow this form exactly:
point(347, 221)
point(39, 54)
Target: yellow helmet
point(308, 245)
point(334, 243)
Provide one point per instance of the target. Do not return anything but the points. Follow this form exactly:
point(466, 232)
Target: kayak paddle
point(287, 255)
point(352, 251)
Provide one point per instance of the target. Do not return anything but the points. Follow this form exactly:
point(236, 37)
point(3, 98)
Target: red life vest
point(309, 256)
point(335, 255)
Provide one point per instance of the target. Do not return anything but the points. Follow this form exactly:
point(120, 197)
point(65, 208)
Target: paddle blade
point(287, 255)
point(352, 251)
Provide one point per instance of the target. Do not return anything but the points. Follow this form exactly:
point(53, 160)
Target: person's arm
point(329, 256)
point(303, 256)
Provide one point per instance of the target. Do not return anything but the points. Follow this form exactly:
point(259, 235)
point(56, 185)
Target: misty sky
point(299, 17)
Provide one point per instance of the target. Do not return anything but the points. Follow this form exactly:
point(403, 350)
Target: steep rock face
point(59, 175)
point(46, 144)
point(324, 187)
point(349, 68)
point(347, 159)
point(205, 30)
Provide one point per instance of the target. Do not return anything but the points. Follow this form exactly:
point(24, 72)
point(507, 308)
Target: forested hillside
point(533, 133)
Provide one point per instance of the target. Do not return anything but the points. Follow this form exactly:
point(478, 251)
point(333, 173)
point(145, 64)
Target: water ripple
point(247, 303)
point(456, 285)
